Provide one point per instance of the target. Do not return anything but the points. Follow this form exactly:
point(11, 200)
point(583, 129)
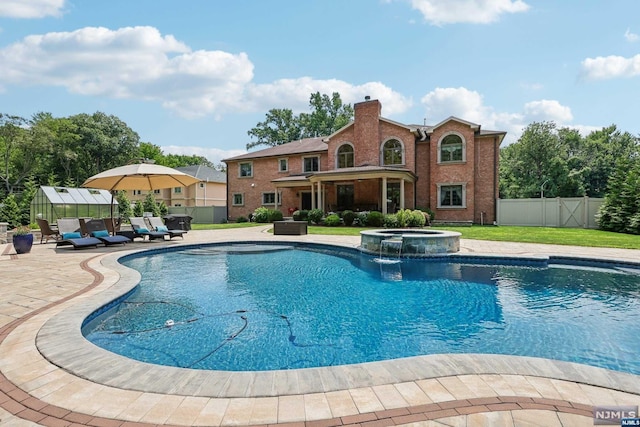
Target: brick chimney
point(366, 124)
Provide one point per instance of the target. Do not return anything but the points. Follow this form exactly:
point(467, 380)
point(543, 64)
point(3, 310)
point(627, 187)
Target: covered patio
point(363, 188)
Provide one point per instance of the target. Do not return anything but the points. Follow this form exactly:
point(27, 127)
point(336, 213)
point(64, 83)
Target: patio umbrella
point(139, 176)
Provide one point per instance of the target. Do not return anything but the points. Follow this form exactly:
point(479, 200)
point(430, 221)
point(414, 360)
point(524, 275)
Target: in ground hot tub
point(409, 242)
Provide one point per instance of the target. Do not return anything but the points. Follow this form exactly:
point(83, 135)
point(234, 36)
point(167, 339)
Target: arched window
point(392, 152)
point(345, 156)
point(452, 149)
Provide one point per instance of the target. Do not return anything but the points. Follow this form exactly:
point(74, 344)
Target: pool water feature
point(412, 242)
point(246, 310)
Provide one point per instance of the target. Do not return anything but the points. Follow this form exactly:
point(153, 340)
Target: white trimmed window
point(283, 165)
point(245, 170)
point(311, 164)
point(452, 149)
point(270, 198)
point(177, 190)
point(452, 196)
point(392, 152)
point(238, 199)
point(345, 156)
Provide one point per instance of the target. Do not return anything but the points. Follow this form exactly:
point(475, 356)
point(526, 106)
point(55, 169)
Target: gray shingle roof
point(307, 145)
point(204, 173)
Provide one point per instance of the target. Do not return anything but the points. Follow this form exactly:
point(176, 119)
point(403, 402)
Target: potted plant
point(22, 239)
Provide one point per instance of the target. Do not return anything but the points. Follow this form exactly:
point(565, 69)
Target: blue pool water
point(299, 308)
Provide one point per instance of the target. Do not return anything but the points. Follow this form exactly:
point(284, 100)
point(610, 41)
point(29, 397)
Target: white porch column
point(320, 201)
point(402, 194)
point(313, 198)
point(384, 195)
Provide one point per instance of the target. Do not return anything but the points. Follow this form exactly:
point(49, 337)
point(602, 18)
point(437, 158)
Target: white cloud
point(214, 155)
point(631, 37)
point(608, 67)
point(536, 111)
point(294, 94)
point(441, 12)
point(469, 105)
point(141, 63)
point(31, 8)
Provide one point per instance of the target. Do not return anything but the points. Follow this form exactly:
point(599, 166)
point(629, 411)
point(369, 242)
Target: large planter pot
point(22, 244)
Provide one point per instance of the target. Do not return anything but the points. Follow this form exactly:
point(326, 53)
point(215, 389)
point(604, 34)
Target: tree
point(327, 115)
point(600, 153)
point(539, 158)
point(30, 190)
point(281, 125)
point(138, 209)
point(150, 205)
point(124, 205)
point(104, 142)
point(10, 211)
point(620, 210)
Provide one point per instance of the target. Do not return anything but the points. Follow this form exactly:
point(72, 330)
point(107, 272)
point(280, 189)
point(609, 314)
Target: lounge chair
point(156, 224)
point(71, 232)
point(141, 229)
point(47, 231)
point(98, 229)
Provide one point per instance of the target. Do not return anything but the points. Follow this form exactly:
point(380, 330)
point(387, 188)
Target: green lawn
point(557, 236)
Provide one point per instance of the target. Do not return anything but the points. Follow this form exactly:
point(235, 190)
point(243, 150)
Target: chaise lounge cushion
point(72, 235)
point(100, 233)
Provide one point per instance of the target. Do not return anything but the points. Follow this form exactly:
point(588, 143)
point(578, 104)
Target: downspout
point(496, 190)
point(227, 190)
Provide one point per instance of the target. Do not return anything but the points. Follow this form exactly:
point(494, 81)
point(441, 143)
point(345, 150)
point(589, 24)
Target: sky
point(193, 76)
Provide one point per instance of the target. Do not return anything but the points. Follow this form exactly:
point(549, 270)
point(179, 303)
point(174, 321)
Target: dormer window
point(392, 153)
point(345, 156)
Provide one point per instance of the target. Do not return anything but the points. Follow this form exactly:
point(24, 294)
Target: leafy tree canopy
point(328, 114)
point(562, 163)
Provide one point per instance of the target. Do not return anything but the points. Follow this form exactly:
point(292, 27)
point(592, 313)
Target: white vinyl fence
point(570, 212)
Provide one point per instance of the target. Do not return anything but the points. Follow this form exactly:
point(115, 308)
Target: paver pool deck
point(79, 384)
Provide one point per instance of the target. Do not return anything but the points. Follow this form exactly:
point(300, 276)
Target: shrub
point(390, 221)
point(348, 217)
point(315, 215)
point(375, 219)
point(361, 219)
point(332, 220)
point(275, 215)
point(416, 219)
point(261, 215)
point(301, 215)
point(242, 219)
point(403, 217)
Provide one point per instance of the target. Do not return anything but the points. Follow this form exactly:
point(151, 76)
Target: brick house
point(374, 163)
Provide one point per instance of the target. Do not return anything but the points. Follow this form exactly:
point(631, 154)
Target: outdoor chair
point(71, 232)
point(141, 229)
point(47, 231)
point(156, 223)
point(97, 228)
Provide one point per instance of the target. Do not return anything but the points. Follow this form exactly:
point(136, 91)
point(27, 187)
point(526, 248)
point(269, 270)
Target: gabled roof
point(474, 126)
point(302, 146)
point(411, 128)
point(204, 173)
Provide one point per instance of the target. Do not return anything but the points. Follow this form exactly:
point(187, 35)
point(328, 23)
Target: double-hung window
point(245, 170)
point(451, 196)
point(311, 164)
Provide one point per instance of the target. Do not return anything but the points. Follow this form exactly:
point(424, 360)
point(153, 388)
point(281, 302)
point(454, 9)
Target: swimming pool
point(294, 307)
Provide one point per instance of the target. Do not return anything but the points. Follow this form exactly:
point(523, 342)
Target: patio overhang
point(363, 172)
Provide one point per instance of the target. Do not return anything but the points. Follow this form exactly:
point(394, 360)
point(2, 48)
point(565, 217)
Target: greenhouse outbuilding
point(51, 203)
